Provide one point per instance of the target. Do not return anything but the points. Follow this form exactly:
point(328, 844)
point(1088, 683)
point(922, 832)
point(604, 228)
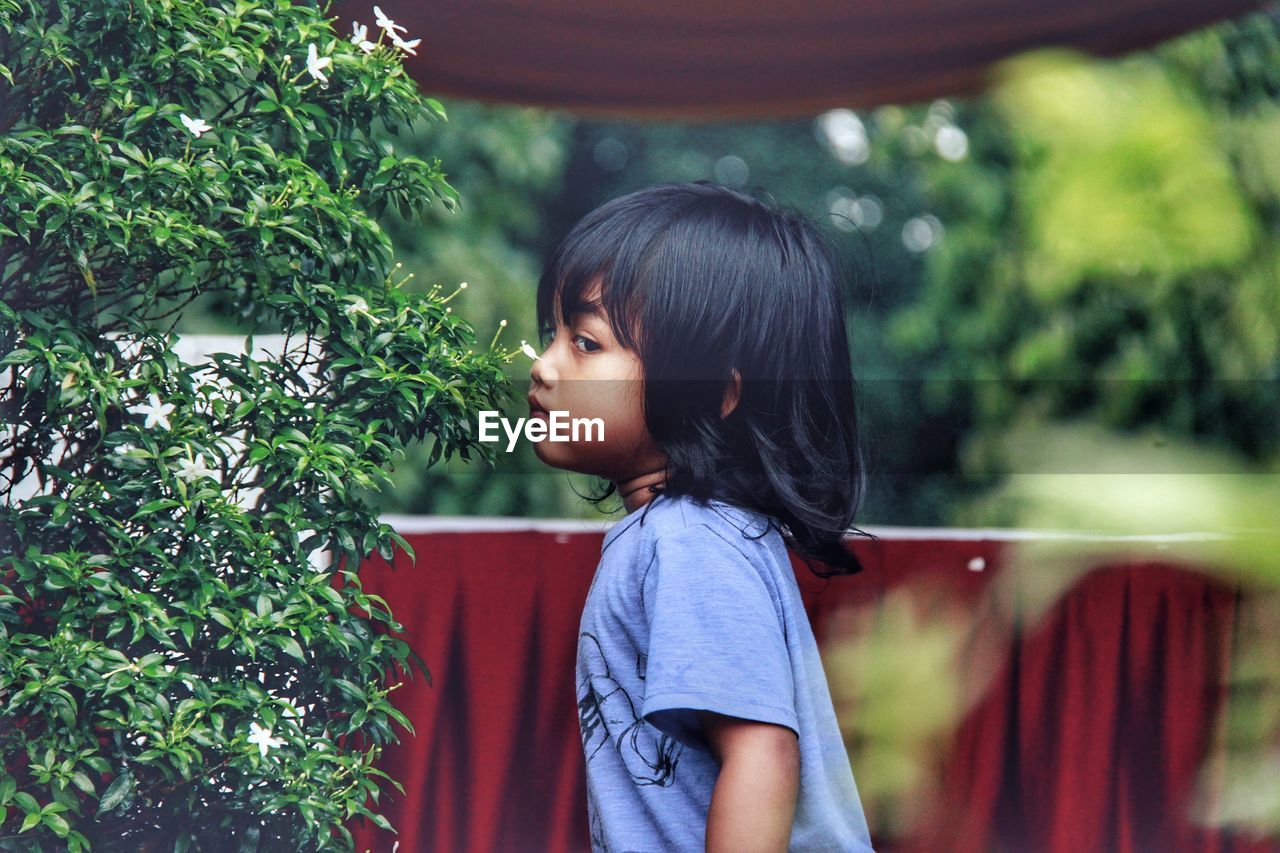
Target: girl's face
point(588, 374)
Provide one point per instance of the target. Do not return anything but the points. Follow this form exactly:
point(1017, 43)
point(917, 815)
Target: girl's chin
point(583, 467)
point(559, 455)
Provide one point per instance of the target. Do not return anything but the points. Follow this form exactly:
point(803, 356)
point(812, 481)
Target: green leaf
point(350, 689)
point(403, 543)
point(81, 781)
point(345, 540)
point(58, 824)
point(291, 647)
point(155, 506)
point(120, 788)
point(400, 718)
point(132, 151)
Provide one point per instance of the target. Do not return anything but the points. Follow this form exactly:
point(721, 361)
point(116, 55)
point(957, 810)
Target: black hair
point(700, 280)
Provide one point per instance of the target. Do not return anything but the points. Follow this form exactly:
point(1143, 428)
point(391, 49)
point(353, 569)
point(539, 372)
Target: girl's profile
point(706, 328)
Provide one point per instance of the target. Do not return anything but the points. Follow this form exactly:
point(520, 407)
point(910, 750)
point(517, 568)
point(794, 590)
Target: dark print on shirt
point(649, 755)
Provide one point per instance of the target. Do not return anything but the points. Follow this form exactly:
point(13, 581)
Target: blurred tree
point(1123, 277)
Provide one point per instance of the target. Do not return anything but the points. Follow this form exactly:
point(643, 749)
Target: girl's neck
point(637, 491)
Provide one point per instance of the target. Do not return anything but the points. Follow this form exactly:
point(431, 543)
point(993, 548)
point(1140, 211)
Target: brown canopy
point(737, 59)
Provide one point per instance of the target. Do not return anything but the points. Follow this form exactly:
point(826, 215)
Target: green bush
point(175, 671)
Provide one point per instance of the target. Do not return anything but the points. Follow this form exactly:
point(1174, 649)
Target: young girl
point(705, 329)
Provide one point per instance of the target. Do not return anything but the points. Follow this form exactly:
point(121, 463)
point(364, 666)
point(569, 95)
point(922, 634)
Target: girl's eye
point(587, 340)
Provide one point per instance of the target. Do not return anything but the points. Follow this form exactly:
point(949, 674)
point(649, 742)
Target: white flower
point(262, 737)
point(358, 306)
point(197, 126)
point(157, 413)
point(193, 469)
point(406, 46)
point(386, 23)
point(290, 710)
point(316, 64)
point(529, 351)
point(360, 36)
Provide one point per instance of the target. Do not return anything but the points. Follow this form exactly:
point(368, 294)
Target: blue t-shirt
point(686, 612)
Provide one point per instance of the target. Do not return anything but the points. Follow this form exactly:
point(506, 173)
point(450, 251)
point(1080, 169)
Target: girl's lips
point(534, 404)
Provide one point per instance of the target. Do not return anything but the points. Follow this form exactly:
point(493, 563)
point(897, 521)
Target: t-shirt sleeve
point(716, 638)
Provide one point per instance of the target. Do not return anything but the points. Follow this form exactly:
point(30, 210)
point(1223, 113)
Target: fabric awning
point(729, 59)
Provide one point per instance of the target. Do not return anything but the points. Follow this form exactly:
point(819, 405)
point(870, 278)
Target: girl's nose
point(542, 372)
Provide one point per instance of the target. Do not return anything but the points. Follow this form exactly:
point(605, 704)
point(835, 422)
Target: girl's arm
point(754, 801)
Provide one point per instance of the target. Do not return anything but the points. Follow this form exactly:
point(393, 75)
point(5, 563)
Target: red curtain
point(1085, 735)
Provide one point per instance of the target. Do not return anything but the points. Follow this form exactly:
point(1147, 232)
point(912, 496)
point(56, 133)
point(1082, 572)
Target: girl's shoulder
point(714, 542)
point(747, 529)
